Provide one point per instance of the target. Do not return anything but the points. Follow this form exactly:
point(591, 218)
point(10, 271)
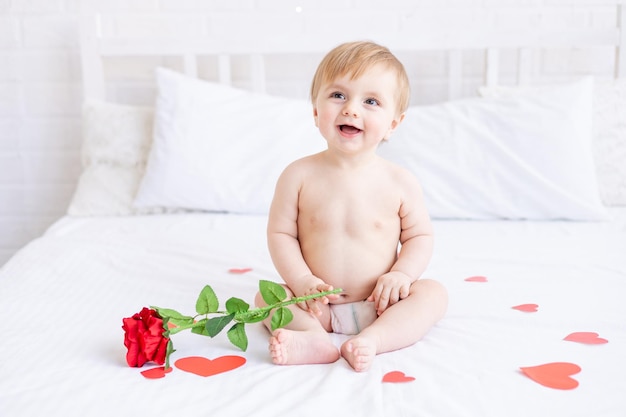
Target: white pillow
point(524, 156)
point(220, 148)
point(116, 139)
point(609, 140)
point(609, 133)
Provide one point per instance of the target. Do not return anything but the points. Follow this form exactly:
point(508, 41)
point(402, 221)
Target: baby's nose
point(350, 111)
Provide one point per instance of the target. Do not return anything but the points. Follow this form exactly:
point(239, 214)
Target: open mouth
point(350, 130)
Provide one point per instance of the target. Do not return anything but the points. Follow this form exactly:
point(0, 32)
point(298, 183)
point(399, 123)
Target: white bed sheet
point(62, 299)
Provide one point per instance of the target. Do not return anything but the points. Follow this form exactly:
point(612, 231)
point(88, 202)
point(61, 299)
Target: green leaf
point(171, 314)
point(168, 351)
point(253, 316)
point(281, 318)
point(236, 305)
point(272, 292)
point(166, 327)
point(202, 331)
point(216, 324)
point(185, 321)
point(237, 336)
point(207, 301)
point(200, 328)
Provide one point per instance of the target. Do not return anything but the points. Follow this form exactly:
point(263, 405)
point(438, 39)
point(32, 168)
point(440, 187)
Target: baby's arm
point(284, 247)
point(416, 237)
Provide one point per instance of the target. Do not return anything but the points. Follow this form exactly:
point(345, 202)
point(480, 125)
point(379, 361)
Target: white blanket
point(63, 297)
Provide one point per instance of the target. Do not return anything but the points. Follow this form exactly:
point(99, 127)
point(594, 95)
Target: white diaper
point(351, 318)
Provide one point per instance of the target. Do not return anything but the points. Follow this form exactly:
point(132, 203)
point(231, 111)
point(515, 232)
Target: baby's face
point(357, 114)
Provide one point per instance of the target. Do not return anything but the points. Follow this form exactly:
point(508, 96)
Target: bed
point(525, 184)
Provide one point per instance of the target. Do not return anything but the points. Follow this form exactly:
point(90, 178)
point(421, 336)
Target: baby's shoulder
point(402, 181)
point(301, 168)
point(398, 173)
point(302, 164)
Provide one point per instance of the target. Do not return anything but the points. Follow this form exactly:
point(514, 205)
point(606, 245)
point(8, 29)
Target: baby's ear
point(315, 116)
point(394, 125)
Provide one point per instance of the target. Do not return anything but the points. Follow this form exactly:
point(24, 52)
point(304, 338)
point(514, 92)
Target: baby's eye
point(372, 102)
point(338, 95)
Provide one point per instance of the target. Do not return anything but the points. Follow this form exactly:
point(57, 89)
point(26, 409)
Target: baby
point(346, 218)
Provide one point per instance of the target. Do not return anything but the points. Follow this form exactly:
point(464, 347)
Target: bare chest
point(351, 208)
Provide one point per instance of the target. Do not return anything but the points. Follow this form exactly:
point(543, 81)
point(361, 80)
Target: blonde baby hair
point(354, 58)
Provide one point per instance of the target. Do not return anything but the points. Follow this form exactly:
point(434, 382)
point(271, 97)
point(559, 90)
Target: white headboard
point(258, 36)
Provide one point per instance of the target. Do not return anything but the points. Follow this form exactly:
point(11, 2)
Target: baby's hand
point(315, 286)
point(390, 288)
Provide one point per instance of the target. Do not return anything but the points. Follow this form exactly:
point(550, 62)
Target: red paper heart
point(527, 308)
point(477, 278)
point(589, 338)
point(206, 367)
point(553, 375)
point(239, 270)
point(156, 373)
point(397, 376)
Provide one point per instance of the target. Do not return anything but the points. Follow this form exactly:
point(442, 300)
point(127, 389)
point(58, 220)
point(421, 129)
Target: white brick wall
point(40, 92)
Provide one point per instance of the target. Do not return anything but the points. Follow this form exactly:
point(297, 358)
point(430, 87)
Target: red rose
point(143, 337)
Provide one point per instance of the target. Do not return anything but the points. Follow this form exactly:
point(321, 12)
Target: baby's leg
point(400, 325)
point(303, 341)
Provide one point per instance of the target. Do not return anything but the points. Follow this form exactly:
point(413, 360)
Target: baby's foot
point(290, 347)
point(359, 352)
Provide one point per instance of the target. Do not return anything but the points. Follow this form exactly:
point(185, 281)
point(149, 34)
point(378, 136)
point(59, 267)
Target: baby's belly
point(350, 264)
